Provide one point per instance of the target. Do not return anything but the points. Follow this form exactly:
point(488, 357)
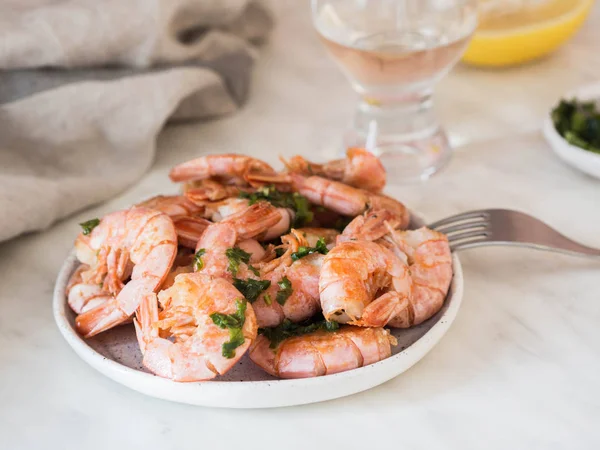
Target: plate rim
point(159, 387)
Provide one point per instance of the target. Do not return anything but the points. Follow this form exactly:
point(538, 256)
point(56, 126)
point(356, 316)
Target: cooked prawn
point(339, 197)
point(303, 276)
point(183, 342)
point(430, 267)
point(139, 241)
point(360, 168)
point(228, 168)
point(219, 211)
point(322, 352)
point(370, 226)
point(171, 205)
point(251, 223)
point(363, 283)
point(429, 260)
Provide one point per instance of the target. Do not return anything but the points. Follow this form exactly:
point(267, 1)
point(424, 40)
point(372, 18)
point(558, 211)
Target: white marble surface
point(518, 369)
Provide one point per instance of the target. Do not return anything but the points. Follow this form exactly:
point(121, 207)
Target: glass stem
point(405, 119)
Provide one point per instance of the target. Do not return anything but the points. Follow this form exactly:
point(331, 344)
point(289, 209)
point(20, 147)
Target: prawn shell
point(197, 356)
point(151, 241)
point(322, 353)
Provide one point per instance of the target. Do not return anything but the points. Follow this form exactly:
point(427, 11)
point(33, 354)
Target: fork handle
point(567, 247)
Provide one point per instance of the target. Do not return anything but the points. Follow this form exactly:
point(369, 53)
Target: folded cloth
point(86, 85)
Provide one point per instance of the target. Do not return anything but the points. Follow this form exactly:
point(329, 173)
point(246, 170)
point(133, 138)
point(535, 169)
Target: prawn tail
point(265, 357)
point(189, 170)
point(145, 316)
point(189, 230)
point(257, 219)
point(281, 180)
point(100, 318)
point(383, 310)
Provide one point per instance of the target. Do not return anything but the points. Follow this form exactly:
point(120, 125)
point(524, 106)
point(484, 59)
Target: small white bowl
point(583, 160)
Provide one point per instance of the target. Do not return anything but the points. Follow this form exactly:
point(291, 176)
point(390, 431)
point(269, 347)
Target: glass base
point(404, 134)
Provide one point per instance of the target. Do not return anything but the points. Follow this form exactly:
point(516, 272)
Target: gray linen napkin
point(86, 85)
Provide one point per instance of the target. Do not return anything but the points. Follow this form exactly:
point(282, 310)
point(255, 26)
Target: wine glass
point(393, 52)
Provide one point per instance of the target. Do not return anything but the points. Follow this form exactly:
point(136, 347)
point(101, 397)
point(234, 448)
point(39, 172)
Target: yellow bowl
point(501, 43)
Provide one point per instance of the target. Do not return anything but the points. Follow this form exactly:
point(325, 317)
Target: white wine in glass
point(393, 52)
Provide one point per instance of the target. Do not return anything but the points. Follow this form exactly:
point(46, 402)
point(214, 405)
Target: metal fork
point(505, 227)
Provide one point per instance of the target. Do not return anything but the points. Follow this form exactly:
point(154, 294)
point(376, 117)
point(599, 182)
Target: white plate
point(115, 354)
point(587, 162)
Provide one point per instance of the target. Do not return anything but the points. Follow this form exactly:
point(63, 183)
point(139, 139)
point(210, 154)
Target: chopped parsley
point(302, 209)
point(321, 248)
point(579, 123)
point(198, 263)
point(267, 299)
point(294, 201)
point(289, 329)
point(285, 290)
point(279, 252)
point(250, 288)
point(235, 323)
point(254, 270)
point(235, 255)
point(89, 225)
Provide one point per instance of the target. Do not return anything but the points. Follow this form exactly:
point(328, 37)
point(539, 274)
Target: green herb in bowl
point(578, 123)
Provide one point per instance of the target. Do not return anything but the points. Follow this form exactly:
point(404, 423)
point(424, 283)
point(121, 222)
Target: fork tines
point(463, 229)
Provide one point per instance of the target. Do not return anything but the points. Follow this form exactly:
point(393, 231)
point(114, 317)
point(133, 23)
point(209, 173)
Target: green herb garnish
point(236, 338)
point(267, 299)
point(285, 290)
point(321, 248)
point(250, 288)
point(198, 262)
point(234, 322)
point(279, 252)
point(254, 270)
point(579, 123)
point(89, 225)
point(235, 255)
point(289, 329)
point(302, 209)
point(294, 201)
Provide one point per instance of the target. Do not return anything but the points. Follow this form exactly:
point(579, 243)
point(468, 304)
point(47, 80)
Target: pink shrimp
point(429, 260)
point(83, 296)
point(372, 225)
point(171, 205)
point(339, 197)
point(251, 223)
point(139, 241)
point(218, 211)
point(323, 353)
point(228, 168)
point(302, 278)
point(430, 266)
point(360, 169)
point(363, 283)
point(184, 342)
